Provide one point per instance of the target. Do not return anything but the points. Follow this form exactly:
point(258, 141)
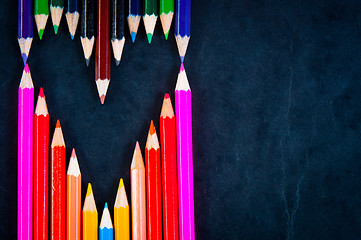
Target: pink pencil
point(25, 156)
point(183, 108)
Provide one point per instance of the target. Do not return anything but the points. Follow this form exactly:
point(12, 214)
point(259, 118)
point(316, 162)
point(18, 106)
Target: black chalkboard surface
point(276, 114)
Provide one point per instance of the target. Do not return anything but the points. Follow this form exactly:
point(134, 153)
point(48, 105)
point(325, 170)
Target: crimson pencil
point(58, 185)
point(102, 52)
point(41, 166)
point(153, 183)
point(169, 170)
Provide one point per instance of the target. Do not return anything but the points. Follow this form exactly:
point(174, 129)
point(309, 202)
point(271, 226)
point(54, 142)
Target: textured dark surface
point(276, 114)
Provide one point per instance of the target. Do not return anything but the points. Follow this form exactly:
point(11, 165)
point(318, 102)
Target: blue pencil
point(182, 26)
point(106, 226)
point(135, 12)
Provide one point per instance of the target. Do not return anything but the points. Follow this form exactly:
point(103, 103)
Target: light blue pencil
point(106, 226)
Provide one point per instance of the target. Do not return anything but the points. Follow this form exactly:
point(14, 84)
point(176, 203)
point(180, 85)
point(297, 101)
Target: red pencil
point(58, 185)
point(153, 183)
point(102, 51)
point(41, 166)
point(169, 170)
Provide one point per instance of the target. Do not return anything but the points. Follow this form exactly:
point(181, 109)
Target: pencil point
point(57, 124)
point(41, 93)
point(87, 61)
point(56, 29)
point(106, 205)
point(41, 31)
point(25, 58)
point(89, 191)
point(102, 99)
point(26, 68)
point(72, 36)
point(73, 153)
point(117, 62)
point(182, 59)
point(121, 183)
point(149, 36)
point(166, 96)
point(181, 67)
point(151, 128)
point(137, 148)
point(166, 35)
point(133, 35)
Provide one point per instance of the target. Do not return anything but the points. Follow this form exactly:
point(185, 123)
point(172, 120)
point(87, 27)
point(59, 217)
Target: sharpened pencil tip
point(73, 153)
point(133, 35)
point(89, 191)
point(106, 205)
point(117, 62)
point(102, 99)
point(57, 124)
point(26, 68)
point(56, 29)
point(137, 148)
point(166, 96)
point(182, 59)
point(151, 128)
point(41, 93)
point(166, 35)
point(121, 183)
point(149, 36)
point(87, 61)
point(181, 67)
point(72, 36)
point(41, 32)
point(25, 58)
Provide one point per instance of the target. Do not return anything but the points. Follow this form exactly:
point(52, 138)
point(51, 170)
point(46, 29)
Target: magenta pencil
point(183, 108)
point(25, 156)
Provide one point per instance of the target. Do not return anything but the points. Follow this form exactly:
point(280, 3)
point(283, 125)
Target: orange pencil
point(57, 212)
point(137, 179)
point(154, 202)
point(73, 198)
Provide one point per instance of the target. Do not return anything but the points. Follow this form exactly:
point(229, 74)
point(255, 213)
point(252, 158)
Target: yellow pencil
point(121, 214)
point(90, 216)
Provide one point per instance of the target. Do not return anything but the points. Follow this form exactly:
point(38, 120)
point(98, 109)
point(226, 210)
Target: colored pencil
point(57, 185)
point(118, 29)
point(134, 15)
point(183, 108)
point(153, 183)
point(56, 11)
point(166, 12)
point(41, 13)
point(106, 227)
point(169, 170)
point(121, 214)
point(25, 27)
point(182, 30)
point(102, 53)
point(72, 16)
point(25, 156)
point(90, 216)
point(137, 179)
point(41, 169)
point(150, 17)
point(73, 199)
point(87, 29)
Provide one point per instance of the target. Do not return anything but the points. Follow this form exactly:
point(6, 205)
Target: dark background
point(276, 114)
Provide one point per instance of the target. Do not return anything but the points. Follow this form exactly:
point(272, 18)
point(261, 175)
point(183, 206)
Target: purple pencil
point(25, 156)
point(183, 108)
point(182, 27)
point(25, 27)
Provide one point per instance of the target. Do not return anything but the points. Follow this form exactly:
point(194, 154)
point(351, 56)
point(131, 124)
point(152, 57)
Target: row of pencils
point(107, 32)
point(162, 199)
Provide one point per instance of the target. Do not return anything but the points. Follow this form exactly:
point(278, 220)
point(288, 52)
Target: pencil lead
point(121, 183)
point(26, 68)
point(137, 148)
point(57, 124)
point(106, 205)
point(149, 36)
point(41, 31)
point(166, 35)
point(87, 61)
point(89, 191)
point(181, 67)
point(182, 59)
point(166, 96)
point(102, 99)
point(73, 153)
point(133, 35)
point(41, 93)
point(25, 58)
point(56, 29)
point(151, 128)
point(72, 36)
point(117, 62)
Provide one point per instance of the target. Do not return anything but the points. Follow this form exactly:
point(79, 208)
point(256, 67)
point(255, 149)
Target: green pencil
point(166, 12)
point(56, 10)
point(41, 13)
point(150, 17)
